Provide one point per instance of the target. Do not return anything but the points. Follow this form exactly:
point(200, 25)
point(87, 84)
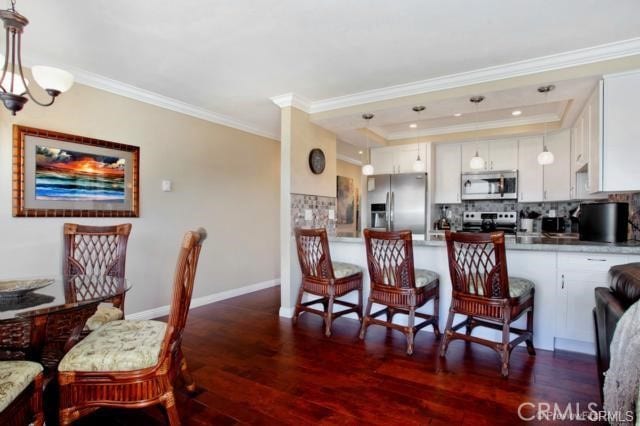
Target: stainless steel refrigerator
point(397, 202)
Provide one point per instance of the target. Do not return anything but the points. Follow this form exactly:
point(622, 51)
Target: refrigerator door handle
point(387, 214)
point(392, 210)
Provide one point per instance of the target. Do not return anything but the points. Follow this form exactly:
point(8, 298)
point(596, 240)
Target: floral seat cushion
point(342, 269)
point(518, 287)
point(15, 376)
point(426, 278)
point(103, 315)
point(123, 345)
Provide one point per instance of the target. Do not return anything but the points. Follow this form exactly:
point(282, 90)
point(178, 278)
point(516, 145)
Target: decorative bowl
point(13, 289)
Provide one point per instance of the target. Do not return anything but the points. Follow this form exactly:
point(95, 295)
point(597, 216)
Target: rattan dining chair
point(133, 364)
point(97, 250)
point(396, 284)
point(324, 278)
point(483, 291)
point(21, 393)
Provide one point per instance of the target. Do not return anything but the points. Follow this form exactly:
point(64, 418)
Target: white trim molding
point(205, 300)
point(286, 312)
point(347, 159)
point(603, 52)
point(292, 100)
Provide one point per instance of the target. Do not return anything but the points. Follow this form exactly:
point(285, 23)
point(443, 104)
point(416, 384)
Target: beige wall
point(224, 180)
point(304, 137)
point(352, 171)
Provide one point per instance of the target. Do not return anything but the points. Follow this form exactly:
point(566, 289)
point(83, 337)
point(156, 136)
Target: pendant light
point(367, 169)
point(477, 162)
point(545, 157)
point(418, 165)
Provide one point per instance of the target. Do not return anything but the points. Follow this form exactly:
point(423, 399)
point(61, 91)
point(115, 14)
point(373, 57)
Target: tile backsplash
point(319, 206)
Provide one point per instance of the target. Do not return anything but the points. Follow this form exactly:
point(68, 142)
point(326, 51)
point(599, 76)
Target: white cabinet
point(530, 180)
point(469, 150)
point(397, 159)
point(447, 174)
point(578, 274)
point(595, 140)
point(580, 135)
point(498, 155)
point(503, 154)
point(621, 132)
point(557, 176)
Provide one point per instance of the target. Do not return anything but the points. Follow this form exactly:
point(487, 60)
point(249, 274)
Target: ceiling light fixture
point(516, 113)
point(477, 162)
point(545, 157)
point(413, 125)
point(457, 114)
point(419, 164)
point(361, 152)
point(14, 87)
point(367, 169)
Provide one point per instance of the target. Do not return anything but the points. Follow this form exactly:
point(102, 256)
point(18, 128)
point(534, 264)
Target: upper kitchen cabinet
point(447, 173)
point(498, 155)
point(620, 147)
point(530, 180)
point(557, 176)
point(398, 159)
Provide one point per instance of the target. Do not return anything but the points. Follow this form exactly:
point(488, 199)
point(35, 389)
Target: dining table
point(41, 318)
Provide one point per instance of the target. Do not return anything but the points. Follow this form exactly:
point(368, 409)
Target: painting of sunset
point(66, 175)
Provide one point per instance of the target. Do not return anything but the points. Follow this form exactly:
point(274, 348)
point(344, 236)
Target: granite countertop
point(536, 242)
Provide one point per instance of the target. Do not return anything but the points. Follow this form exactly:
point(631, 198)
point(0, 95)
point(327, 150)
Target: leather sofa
point(611, 302)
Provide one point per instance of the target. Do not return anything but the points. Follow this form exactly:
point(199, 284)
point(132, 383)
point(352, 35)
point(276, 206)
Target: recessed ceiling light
point(516, 112)
point(457, 114)
point(360, 152)
point(413, 125)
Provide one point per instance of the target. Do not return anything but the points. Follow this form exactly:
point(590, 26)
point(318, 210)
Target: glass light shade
point(418, 165)
point(476, 162)
point(545, 157)
point(18, 87)
point(367, 170)
point(52, 78)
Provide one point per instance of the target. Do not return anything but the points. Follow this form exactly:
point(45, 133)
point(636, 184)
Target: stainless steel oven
point(490, 186)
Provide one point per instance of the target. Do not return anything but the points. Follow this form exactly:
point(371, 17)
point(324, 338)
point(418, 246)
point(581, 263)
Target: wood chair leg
point(469, 326)
point(505, 350)
point(447, 333)
point(296, 312)
point(529, 342)
point(436, 317)
point(169, 404)
point(390, 314)
point(360, 305)
point(328, 317)
point(410, 330)
point(365, 320)
point(189, 383)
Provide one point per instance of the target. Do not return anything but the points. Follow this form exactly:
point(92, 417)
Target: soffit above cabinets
point(495, 112)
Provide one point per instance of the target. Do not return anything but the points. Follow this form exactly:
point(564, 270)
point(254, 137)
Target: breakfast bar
point(565, 272)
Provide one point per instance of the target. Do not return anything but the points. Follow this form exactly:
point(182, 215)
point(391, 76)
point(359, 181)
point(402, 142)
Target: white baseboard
point(575, 346)
point(286, 312)
point(205, 300)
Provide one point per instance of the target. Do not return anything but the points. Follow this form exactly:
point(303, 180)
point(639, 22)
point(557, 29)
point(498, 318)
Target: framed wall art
point(61, 175)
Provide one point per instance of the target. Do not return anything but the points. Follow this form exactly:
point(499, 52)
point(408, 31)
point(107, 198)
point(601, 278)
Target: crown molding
point(350, 160)
point(292, 100)
point(470, 127)
point(568, 59)
point(116, 87)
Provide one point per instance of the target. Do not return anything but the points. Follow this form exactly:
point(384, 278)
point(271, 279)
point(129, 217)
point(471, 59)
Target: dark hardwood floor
point(253, 367)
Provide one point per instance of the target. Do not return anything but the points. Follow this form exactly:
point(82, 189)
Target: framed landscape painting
point(61, 175)
point(345, 200)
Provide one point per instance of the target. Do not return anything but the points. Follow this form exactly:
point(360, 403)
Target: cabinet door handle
point(545, 194)
point(458, 196)
point(562, 281)
point(592, 259)
point(578, 157)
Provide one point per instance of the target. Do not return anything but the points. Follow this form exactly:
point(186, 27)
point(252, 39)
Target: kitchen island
point(565, 272)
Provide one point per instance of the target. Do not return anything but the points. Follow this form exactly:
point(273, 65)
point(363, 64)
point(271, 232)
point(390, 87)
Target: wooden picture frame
point(61, 175)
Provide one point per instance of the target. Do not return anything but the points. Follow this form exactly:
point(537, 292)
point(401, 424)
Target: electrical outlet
point(332, 214)
point(308, 214)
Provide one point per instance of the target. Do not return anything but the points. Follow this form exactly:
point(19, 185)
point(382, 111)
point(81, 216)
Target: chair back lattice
point(95, 250)
point(477, 264)
point(390, 258)
point(313, 253)
point(183, 280)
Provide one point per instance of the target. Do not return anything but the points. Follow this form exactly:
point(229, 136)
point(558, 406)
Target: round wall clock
point(316, 161)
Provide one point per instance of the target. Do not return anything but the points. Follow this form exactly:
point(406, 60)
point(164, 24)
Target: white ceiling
point(230, 57)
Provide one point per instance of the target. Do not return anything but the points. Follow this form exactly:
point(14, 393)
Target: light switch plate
point(308, 214)
point(166, 185)
point(332, 214)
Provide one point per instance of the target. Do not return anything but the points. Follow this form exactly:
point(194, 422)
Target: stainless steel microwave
point(490, 185)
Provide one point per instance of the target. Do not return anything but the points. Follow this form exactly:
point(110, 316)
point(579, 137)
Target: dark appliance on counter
point(443, 224)
point(553, 224)
point(398, 202)
point(490, 185)
point(489, 222)
point(605, 222)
